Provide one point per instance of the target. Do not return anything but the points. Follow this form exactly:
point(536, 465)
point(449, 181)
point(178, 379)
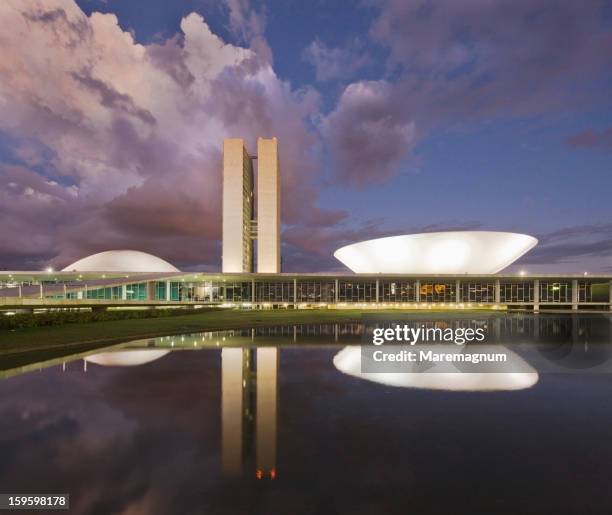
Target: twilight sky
point(392, 117)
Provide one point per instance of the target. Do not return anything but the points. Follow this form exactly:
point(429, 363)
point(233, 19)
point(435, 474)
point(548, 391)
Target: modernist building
point(456, 269)
point(248, 216)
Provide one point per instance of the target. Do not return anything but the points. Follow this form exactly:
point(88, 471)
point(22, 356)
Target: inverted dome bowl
point(451, 252)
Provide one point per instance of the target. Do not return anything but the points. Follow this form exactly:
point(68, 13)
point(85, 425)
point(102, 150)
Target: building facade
point(455, 270)
point(251, 214)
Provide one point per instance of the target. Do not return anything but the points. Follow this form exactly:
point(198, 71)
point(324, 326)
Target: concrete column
point(294, 293)
point(85, 291)
point(536, 295)
point(20, 295)
point(168, 290)
point(336, 292)
point(64, 291)
point(123, 292)
point(417, 291)
point(41, 291)
point(575, 294)
point(497, 291)
point(457, 291)
point(377, 289)
point(150, 290)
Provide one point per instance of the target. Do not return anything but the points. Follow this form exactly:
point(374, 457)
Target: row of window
point(136, 291)
point(324, 291)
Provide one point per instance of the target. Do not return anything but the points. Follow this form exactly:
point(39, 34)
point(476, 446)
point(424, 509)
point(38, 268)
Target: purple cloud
point(335, 63)
point(592, 139)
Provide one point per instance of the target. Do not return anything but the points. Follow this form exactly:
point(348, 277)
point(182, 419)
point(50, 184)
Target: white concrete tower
point(268, 207)
point(237, 207)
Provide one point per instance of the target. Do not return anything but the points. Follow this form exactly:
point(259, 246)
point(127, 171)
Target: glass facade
point(518, 292)
point(328, 290)
point(397, 291)
point(477, 291)
point(136, 291)
point(316, 291)
point(437, 292)
point(356, 291)
point(113, 293)
point(281, 291)
point(555, 292)
point(585, 291)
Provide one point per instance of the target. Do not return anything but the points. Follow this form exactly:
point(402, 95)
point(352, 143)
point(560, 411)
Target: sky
point(392, 117)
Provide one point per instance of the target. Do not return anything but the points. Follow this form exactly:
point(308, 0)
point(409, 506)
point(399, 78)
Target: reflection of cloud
point(348, 361)
point(126, 358)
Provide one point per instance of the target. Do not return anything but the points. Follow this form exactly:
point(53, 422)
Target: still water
point(279, 420)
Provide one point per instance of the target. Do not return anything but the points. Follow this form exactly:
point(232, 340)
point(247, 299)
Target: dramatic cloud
point(573, 249)
point(454, 62)
point(118, 143)
point(592, 139)
point(369, 137)
point(334, 63)
point(509, 57)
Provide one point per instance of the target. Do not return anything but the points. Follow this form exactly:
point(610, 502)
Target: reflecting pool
point(282, 420)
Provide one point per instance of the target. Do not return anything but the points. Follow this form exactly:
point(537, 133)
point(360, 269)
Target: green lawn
point(94, 334)
point(34, 344)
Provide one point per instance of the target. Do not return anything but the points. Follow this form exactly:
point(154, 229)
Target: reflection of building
point(515, 374)
point(236, 415)
point(249, 399)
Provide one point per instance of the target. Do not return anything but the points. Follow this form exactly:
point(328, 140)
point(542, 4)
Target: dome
point(518, 374)
point(126, 358)
point(121, 261)
point(451, 252)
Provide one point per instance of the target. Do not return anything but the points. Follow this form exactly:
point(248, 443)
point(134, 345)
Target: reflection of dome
point(520, 374)
point(452, 252)
point(126, 358)
point(121, 261)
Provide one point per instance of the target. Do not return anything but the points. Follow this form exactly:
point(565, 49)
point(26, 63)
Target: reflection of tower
point(267, 403)
point(236, 417)
point(239, 224)
point(245, 396)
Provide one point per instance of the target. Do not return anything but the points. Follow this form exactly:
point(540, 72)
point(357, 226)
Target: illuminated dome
point(518, 374)
point(121, 261)
point(451, 252)
point(126, 358)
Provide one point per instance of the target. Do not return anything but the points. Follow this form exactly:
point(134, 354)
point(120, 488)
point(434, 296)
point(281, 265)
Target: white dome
point(518, 374)
point(451, 252)
point(126, 358)
point(121, 261)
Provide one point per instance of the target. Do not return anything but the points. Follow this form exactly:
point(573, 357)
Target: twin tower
point(251, 211)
